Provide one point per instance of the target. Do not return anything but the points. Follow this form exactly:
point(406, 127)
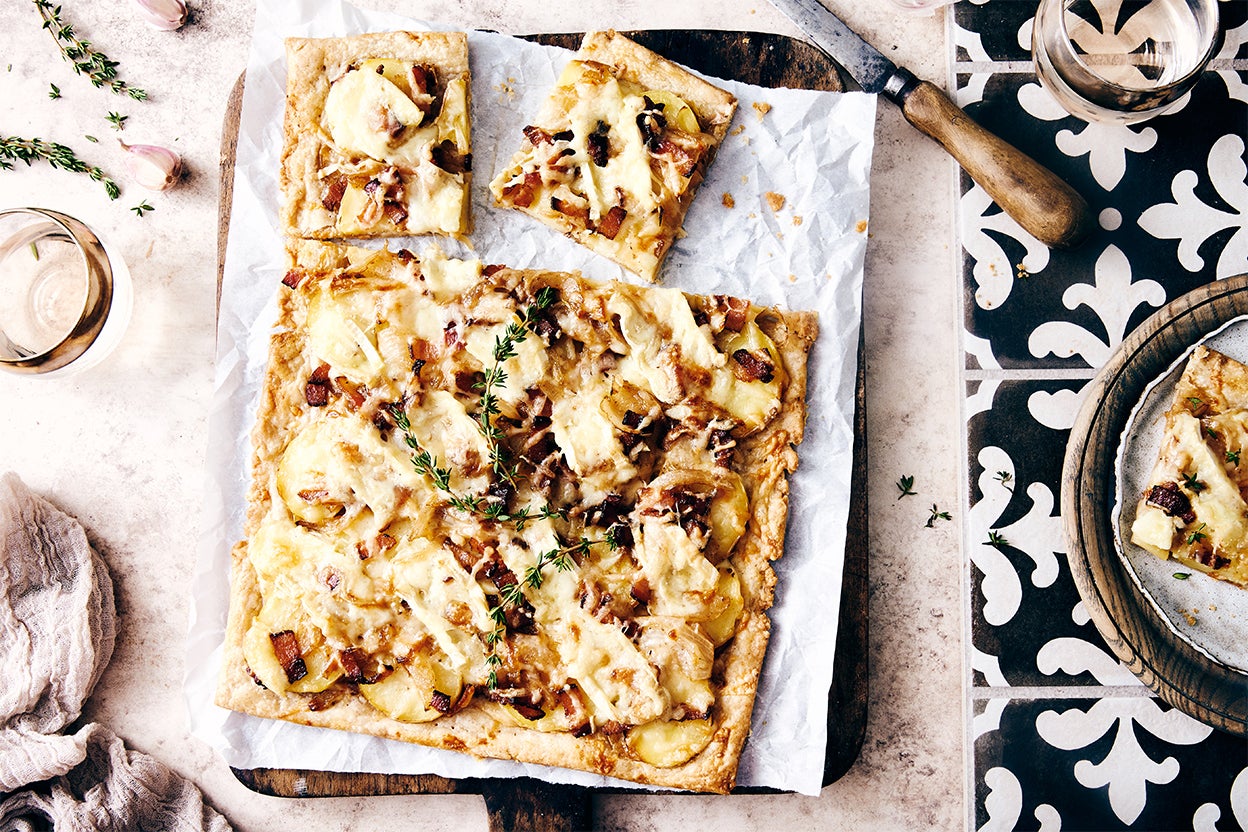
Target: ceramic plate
point(1209, 614)
point(1198, 664)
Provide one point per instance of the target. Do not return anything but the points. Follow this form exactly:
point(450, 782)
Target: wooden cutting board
point(522, 804)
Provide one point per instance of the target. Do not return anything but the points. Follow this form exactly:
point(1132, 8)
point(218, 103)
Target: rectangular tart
point(516, 513)
point(1194, 509)
point(618, 151)
point(377, 138)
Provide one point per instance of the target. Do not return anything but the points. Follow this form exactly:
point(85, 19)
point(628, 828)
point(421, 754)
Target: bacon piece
point(609, 225)
point(580, 212)
point(573, 704)
point(424, 79)
point(734, 316)
point(316, 395)
point(721, 444)
point(651, 122)
point(396, 213)
point(286, 648)
point(331, 578)
point(337, 186)
point(536, 135)
point(596, 144)
point(685, 161)
point(324, 699)
point(1170, 499)
point(523, 193)
point(447, 156)
point(641, 590)
point(320, 375)
point(356, 394)
point(293, 278)
point(752, 367)
point(353, 662)
point(450, 335)
point(491, 269)
point(440, 702)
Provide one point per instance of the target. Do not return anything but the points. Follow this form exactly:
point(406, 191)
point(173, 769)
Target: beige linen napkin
point(57, 626)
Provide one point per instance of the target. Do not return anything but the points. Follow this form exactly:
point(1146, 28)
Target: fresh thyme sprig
point(85, 58)
point(906, 486)
point(996, 539)
point(56, 155)
point(936, 514)
point(117, 120)
point(496, 376)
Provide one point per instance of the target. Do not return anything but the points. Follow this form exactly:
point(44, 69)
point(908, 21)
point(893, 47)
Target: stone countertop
point(122, 447)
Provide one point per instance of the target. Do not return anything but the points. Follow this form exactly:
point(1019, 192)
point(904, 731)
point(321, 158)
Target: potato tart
point(618, 151)
point(516, 513)
point(377, 136)
point(1194, 509)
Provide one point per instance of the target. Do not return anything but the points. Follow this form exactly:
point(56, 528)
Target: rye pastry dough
point(616, 155)
point(1194, 509)
point(602, 604)
point(376, 136)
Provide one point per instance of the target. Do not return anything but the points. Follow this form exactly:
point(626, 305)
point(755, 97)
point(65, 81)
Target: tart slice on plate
point(1194, 509)
point(377, 138)
point(616, 155)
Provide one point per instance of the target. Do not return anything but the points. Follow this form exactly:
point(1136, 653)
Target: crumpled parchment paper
point(811, 148)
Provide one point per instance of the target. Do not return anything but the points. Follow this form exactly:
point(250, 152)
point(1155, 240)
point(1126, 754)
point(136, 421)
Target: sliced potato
point(407, 692)
point(678, 114)
point(724, 626)
point(730, 511)
point(317, 658)
point(670, 744)
point(751, 402)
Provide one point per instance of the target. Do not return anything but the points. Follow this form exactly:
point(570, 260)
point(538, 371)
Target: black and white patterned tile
point(1064, 735)
point(1115, 762)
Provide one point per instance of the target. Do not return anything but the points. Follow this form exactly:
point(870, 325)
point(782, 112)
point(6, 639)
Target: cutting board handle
point(524, 805)
point(1045, 206)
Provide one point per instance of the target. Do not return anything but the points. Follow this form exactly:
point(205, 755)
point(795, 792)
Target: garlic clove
point(165, 15)
point(153, 167)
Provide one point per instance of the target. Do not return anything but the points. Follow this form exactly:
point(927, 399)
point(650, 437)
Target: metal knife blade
point(1038, 200)
point(873, 72)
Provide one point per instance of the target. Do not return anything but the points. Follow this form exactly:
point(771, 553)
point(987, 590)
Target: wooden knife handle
point(1045, 206)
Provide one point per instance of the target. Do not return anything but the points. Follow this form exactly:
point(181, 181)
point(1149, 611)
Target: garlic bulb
point(155, 168)
point(165, 15)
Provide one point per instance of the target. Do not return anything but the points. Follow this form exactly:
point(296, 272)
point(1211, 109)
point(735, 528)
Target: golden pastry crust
point(630, 666)
point(377, 140)
point(616, 155)
point(1194, 508)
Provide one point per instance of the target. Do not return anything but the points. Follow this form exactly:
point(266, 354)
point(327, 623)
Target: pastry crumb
point(744, 179)
point(738, 130)
point(861, 226)
point(1191, 619)
point(761, 108)
point(797, 219)
point(775, 201)
point(728, 201)
point(792, 278)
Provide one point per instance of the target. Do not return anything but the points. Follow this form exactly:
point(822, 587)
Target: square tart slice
point(516, 514)
point(377, 139)
point(1194, 509)
point(617, 152)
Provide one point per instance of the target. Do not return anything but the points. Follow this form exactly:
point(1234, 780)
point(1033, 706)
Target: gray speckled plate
point(1210, 615)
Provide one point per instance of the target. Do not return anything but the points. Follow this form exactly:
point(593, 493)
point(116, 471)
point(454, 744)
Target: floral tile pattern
point(1064, 736)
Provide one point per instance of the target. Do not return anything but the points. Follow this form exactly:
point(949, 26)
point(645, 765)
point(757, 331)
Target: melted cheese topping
point(384, 142)
point(364, 550)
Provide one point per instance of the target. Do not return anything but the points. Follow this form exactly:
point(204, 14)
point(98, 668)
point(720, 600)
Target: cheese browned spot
point(574, 575)
point(1194, 507)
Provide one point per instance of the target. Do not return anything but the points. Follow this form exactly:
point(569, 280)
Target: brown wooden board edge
point(759, 58)
point(1169, 665)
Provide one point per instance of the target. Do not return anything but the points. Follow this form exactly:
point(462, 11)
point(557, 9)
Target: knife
point(1045, 206)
